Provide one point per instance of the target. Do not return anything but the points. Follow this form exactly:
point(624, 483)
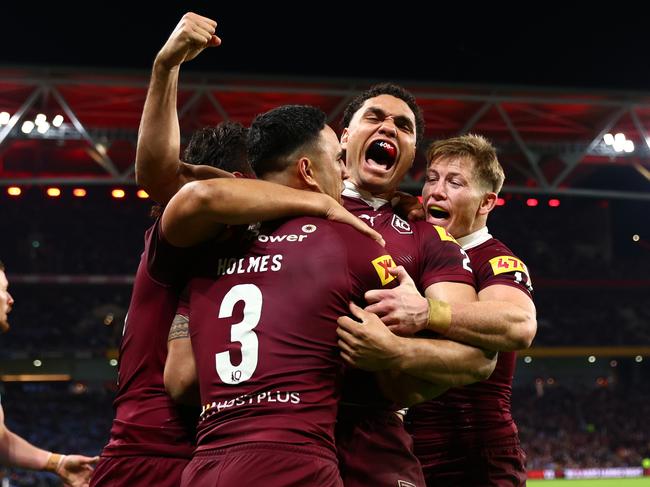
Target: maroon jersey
point(147, 422)
point(480, 412)
point(373, 446)
point(263, 311)
point(427, 252)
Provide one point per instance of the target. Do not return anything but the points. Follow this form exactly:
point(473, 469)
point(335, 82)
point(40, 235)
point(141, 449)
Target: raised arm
point(158, 168)
point(201, 209)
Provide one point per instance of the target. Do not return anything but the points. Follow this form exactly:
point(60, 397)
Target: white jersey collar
point(351, 191)
point(474, 239)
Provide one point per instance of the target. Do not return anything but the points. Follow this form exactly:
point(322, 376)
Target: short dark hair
point(276, 134)
point(222, 146)
point(386, 89)
point(2, 266)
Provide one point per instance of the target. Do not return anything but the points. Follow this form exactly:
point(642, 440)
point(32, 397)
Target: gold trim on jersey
point(444, 235)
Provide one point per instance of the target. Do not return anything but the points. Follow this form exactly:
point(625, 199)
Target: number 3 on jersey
point(241, 332)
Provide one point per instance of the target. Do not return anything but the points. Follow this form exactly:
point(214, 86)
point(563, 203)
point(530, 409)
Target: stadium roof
point(550, 140)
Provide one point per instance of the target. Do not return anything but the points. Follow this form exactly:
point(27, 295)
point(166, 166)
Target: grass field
point(596, 482)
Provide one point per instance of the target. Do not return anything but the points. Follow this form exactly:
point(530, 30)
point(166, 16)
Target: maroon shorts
point(138, 471)
point(502, 463)
point(375, 450)
point(265, 464)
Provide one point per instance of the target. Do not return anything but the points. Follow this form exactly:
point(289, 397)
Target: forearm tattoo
point(180, 328)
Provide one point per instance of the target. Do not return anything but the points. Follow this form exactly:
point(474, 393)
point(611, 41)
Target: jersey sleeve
point(502, 267)
point(368, 263)
point(441, 258)
point(183, 306)
point(166, 264)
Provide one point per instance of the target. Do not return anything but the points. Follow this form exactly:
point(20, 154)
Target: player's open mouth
point(437, 212)
point(382, 153)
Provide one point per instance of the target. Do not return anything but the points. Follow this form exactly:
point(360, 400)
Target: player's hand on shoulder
point(337, 213)
point(408, 206)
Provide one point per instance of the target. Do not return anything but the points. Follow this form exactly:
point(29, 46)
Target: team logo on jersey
point(401, 226)
point(444, 235)
point(309, 228)
point(382, 264)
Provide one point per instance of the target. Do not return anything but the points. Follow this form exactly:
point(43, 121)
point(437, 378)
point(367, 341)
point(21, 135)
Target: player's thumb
point(357, 311)
point(401, 274)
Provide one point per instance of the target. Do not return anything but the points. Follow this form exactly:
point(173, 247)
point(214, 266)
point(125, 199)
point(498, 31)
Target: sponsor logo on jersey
point(444, 235)
point(371, 219)
point(401, 226)
point(309, 228)
point(507, 263)
point(381, 265)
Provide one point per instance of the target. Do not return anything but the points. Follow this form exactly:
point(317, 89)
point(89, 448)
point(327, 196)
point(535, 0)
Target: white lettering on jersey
point(249, 265)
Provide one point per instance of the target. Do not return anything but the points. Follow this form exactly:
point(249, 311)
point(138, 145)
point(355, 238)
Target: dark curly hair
point(386, 89)
point(222, 146)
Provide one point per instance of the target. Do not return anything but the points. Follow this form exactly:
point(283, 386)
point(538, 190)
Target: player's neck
point(353, 191)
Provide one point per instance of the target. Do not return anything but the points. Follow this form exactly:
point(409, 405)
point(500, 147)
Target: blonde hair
point(477, 148)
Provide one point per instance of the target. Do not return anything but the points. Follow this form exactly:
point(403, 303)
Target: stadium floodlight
point(4, 118)
point(57, 121)
point(628, 146)
point(14, 191)
point(40, 118)
point(27, 126)
point(608, 139)
point(42, 127)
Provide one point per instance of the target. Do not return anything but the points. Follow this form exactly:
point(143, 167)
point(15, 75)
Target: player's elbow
point(180, 379)
point(524, 333)
point(481, 367)
point(180, 385)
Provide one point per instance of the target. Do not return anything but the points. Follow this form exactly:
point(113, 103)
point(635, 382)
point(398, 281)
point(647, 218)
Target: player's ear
point(488, 202)
point(344, 138)
point(306, 173)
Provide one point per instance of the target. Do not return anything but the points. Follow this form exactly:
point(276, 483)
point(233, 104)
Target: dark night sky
point(549, 48)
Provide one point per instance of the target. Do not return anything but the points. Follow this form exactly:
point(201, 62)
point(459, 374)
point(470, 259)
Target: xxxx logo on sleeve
point(382, 264)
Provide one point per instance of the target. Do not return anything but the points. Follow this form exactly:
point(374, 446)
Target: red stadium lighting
point(14, 191)
point(501, 202)
point(79, 192)
point(142, 194)
point(118, 193)
point(53, 192)
point(554, 203)
point(532, 202)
